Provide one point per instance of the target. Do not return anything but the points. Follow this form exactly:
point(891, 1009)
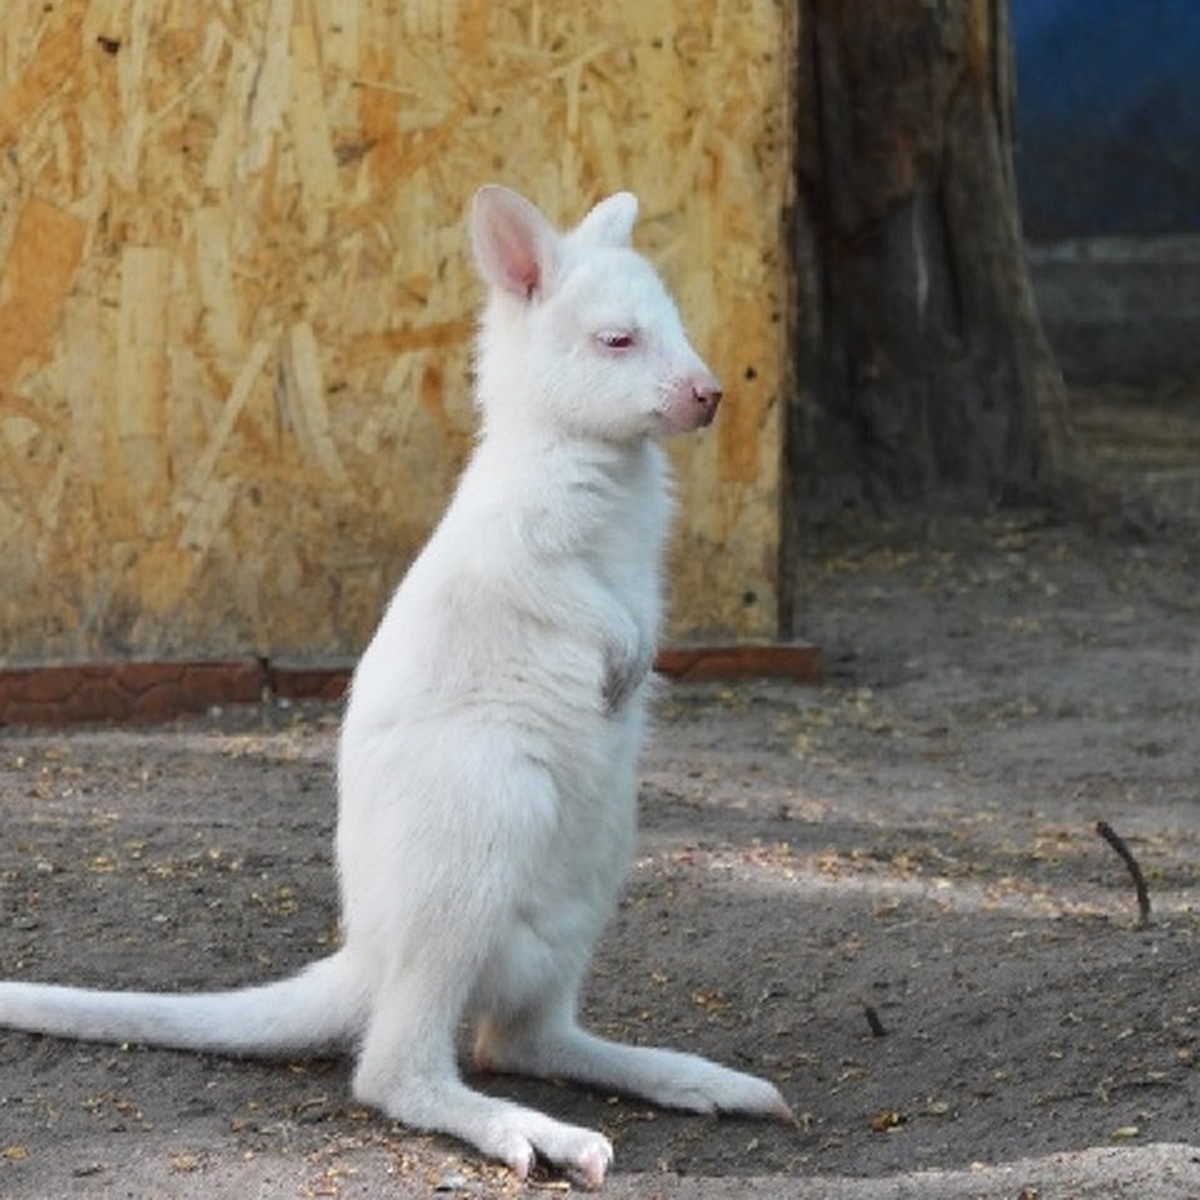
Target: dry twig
point(877, 1026)
point(1114, 839)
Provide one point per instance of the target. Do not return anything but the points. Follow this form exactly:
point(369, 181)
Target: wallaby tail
point(322, 1005)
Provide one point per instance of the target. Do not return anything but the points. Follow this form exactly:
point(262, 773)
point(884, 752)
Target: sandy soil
point(885, 892)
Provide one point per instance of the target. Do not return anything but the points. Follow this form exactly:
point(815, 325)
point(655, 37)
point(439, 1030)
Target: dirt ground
point(886, 892)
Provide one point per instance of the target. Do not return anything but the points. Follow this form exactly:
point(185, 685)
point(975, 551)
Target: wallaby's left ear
point(515, 247)
point(611, 222)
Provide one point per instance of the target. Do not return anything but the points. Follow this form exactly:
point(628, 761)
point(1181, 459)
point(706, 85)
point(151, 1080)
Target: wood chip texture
point(236, 309)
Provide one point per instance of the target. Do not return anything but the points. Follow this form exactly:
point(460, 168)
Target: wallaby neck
point(578, 460)
point(571, 497)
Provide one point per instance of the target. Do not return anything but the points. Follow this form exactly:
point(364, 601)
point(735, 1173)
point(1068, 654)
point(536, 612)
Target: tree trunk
point(922, 369)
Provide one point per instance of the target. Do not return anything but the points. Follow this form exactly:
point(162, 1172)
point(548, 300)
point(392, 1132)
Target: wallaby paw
point(584, 1154)
point(726, 1091)
point(516, 1152)
point(592, 1161)
point(763, 1099)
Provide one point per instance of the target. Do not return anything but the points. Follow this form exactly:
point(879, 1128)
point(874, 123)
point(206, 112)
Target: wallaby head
point(579, 336)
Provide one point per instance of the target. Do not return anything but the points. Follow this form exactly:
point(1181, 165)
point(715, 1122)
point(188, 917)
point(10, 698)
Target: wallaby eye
point(616, 339)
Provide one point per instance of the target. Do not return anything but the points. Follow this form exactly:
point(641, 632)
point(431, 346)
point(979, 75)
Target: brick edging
point(797, 661)
point(143, 692)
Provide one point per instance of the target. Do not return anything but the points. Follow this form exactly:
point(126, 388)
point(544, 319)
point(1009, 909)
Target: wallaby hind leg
point(407, 1068)
point(549, 1042)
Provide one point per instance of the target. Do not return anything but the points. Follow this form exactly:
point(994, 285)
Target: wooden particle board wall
point(236, 310)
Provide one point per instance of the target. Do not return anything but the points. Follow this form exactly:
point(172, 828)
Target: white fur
point(487, 758)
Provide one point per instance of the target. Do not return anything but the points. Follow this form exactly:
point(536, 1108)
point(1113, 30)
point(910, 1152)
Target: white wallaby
point(486, 767)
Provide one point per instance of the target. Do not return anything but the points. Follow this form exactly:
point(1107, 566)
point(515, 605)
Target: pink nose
point(706, 392)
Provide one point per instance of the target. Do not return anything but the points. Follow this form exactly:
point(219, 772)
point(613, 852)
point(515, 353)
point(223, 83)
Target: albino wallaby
point(487, 757)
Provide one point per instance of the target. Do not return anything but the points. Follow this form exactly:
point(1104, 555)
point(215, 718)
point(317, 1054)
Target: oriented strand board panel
point(236, 310)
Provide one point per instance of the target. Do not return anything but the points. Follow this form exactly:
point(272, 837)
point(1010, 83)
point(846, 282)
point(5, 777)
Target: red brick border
point(129, 692)
point(123, 691)
point(797, 661)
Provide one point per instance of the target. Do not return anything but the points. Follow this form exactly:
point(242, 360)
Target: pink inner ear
point(529, 276)
point(516, 258)
point(515, 246)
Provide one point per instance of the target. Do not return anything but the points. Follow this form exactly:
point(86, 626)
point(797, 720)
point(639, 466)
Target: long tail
point(323, 1005)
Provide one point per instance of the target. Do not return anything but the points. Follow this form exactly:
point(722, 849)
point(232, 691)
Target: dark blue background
point(1108, 116)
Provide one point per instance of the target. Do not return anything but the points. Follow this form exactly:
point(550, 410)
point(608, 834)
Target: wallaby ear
point(611, 222)
point(515, 247)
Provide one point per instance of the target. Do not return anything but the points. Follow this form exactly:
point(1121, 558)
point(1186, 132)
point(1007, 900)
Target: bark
point(922, 369)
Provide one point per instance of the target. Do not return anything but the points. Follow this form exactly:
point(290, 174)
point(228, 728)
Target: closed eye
point(616, 339)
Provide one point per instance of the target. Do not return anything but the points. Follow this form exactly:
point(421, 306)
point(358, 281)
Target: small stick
point(877, 1027)
point(1114, 839)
